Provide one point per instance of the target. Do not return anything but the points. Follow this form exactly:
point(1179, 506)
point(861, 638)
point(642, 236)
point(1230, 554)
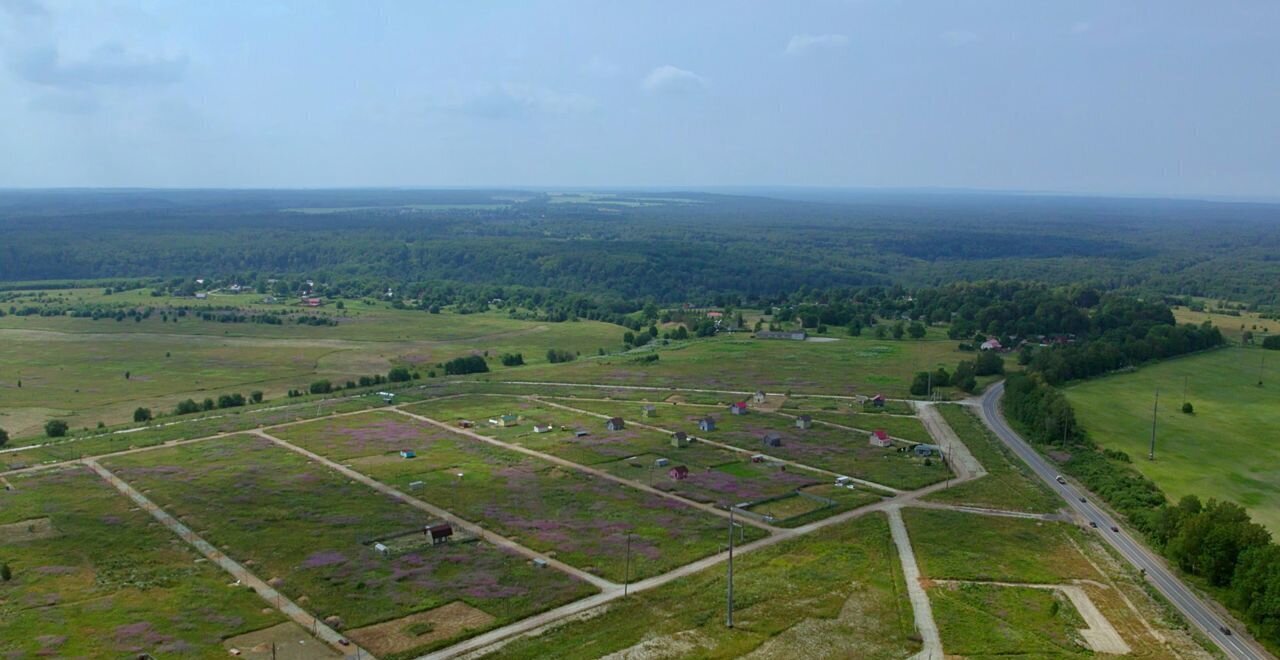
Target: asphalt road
point(1187, 602)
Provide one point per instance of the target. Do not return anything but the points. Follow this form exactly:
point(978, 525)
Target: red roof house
point(678, 473)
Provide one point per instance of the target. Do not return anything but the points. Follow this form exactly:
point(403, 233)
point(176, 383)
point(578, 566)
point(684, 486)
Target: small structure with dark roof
point(707, 424)
point(615, 424)
point(739, 408)
point(678, 473)
point(878, 400)
point(408, 453)
point(804, 422)
point(924, 450)
point(679, 439)
point(772, 440)
point(758, 396)
point(649, 410)
point(439, 532)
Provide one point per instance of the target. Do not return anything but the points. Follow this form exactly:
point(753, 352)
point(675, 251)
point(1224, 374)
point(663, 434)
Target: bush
point(186, 407)
point(6, 573)
point(555, 355)
point(1272, 343)
point(231, 400)
point(207, 404)
point(399, 375)
point(4, 437)
point(256, 396)
point(142, 415)
point(988, 364)
point(512, 359)
point(1188, 408)
point(321, 387)
point(55, 428)
point(472, 364)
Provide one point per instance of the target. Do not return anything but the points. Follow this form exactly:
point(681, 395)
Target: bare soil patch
point(407, 633)
point(34, 529)
point(291, 642)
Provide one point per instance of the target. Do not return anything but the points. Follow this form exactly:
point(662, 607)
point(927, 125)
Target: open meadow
point(93, 576)
point(1008, 484)
point(835, 593)
point(1224, 449)
point(307, 531)
point(576, 517)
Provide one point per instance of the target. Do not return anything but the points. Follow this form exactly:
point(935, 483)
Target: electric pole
point(1154, 408)
point(626, 581)
point(729, 616)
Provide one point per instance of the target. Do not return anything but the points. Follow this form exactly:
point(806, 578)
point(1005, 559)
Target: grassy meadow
point(304, 528)
point(1008, 484)
point(835, 593)
point(93, 576)
point(1225, 449)
point(578, 518)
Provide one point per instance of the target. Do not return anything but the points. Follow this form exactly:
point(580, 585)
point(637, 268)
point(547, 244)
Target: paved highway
point(1187, 602)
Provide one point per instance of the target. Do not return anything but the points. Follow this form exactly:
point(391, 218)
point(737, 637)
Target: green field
point(74, 368)
point(847, 366)
point(1225, 450)
point(979, 621)
point(289, 519)
point(578, 518)
point(1008, 483)
point(963, 546)
point(105, 580)
point(835, 593)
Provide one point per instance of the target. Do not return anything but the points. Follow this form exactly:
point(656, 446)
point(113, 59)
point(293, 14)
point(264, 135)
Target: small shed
point(649, 410)
point(739, 408)
point(504, 421)
point(439, 532)
point(678, 473)
point(408, 453)
point(541, 428)
point(706, 424)
point(758, 397)
point(465, 423)
point(662, 462)
point(927, 450)
point(387, 397)
point(416, 485)
point(580, 434)
point(878, 400)
point(382, 549)
point(804, 422)
point(772, 440)
point(846, 482)
point(679, 439)
point(880, 438)
point(615, 424)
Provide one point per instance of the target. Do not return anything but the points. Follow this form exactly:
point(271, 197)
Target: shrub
point(256, 396)
point(512, 359)
point(186, 407)
point(472, 364)
point(142, 414)
point(555, 355)
point(4, 437)
point(55, 428)
point(321, 387)
point(1188, 408)
point(399, 375)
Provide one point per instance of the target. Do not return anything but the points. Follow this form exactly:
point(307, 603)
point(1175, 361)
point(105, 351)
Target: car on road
point(1061, 479)
point(1225, 630)
point(1082, 499)
point(1114, 528)
point(1093, 524)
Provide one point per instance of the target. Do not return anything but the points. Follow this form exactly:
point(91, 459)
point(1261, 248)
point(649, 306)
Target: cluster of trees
point(189, 406)
point(1271, 343)
point(511, 359)
point(471, 364)
point(556, 355)
point(1215, 540)
point(965, 377)
point(1122, 347)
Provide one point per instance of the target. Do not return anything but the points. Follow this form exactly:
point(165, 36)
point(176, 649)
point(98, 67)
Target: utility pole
point(1154, 408)
point(626, 581)
point(1184, 390)
point(729, 616)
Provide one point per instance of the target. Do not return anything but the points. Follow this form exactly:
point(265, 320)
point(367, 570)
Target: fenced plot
point(581, 519)
point(93, 577)
point(301, 527)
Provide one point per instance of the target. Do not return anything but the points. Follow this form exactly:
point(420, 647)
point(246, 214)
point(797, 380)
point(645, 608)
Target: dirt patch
point(684, 644)
point(286, 641)
point(410, 632)
point(34, 529)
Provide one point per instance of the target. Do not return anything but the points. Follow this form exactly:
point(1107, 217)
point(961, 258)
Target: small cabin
point(541, 428)
point(804, 422)
point(706, 424)
point(846, 482)
point(580, 434)
point(408, 453)
point(679, 439)
point(416, 485)
point(382, 549)
point(878, 401)
point(678, 473)
point(465, 423)
point(649, 410)
point(662, 462)
point(615, 424)
point(880, 438)
point(504, 421)
point(924, 450)
point(439, 533)
point(772, 440)
point(757, 458)
point(758, 397)
point(739, 408)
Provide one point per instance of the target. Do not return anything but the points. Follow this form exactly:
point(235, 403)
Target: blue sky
point(1165, 98)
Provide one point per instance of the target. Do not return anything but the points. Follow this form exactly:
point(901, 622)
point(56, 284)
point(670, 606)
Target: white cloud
point(959, 37)
point(804, 43)
point(668, 78)
point(510, 99)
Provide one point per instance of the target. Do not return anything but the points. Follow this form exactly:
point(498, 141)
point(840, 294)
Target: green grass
point(852, 365)
point(113, 583)
point(288, 518)
point(1225, 450)
point(578, 518)
point(74, 368)
point(963, 546)
point(836, 593)
point(1008, 483)
point(980, 621)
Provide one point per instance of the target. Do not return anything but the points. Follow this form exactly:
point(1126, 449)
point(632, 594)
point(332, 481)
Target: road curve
point(1188, 603)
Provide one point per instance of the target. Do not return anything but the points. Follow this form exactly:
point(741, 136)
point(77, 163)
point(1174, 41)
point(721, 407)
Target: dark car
point(1225, 630)
point(1114, 528)
point(1093, 524)
point(1082, 499)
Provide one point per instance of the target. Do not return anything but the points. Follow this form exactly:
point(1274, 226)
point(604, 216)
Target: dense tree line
point(1215, 540)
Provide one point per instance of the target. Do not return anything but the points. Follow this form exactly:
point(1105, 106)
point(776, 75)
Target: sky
point(1147, 98)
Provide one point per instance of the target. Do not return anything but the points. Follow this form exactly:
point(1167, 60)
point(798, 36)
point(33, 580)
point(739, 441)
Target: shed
point(706, 424)
point(878, 401)
point(847, 482)
point(382, 549)
point(416, 485)
point(927, 450)
point(804, 422)
point(387, 397)
point(439, 532)
point(758, 397)
point(678, 473)
point(772, 440)
point(879, 438)
point(408, 453)
point(541, 428)
point(504, 420)
point(465, 423)
point(679, 439)
point(662, 462)
point(739, 408)
point(615, 424)
point(580, 434)
point(649, 410)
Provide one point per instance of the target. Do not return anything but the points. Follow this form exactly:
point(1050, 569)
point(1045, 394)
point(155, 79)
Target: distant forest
point(629, 246)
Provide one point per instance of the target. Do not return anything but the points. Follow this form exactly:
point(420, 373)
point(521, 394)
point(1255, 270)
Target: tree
point(55, 428)
point(4, 437)
point(898, 330)
point(916, 330)
point(232, 400)
point(142, 414)
point(186, 407)
point(321, 387)
point(920, 384)
point(256, 396)
point(629, 338)
point(855, 328)
point(555, 355)
point(879, 331)
point(512, 359)
point(6, 573)
point(1188, 408)
point(989, 363)
point(941, 378)
point(1271, 343)
point(207, 404)
point(681, 333)
point(399, 375)
point(963, 378)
